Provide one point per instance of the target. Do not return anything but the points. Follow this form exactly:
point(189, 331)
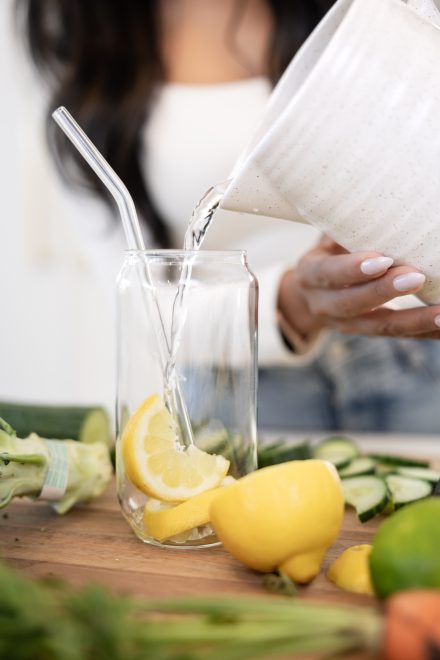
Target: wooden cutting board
point(93, 543)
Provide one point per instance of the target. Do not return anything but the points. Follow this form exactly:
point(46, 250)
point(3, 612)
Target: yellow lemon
point(284, 516)
point(351, 570)
point(156, 463)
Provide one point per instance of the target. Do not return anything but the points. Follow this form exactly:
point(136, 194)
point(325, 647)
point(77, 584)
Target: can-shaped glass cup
point(186, 388)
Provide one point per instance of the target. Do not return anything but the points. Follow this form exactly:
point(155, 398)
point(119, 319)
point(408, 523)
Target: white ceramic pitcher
point(350, 142)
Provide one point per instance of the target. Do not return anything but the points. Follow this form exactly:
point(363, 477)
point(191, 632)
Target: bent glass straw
point(134, 239)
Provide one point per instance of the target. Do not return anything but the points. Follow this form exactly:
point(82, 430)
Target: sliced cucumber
point(358, 466)
point(281, 452)
point(213, 440)
point(95, 427)
point(406, 489)
point(368, 494)
point(338, 450)
point(399, 461)
point(382, 469)
point(433, 476)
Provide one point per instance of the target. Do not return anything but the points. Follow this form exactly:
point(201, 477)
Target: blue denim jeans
point(356, 384)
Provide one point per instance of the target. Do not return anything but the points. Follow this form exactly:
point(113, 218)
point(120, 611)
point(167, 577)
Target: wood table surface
point(93, 543)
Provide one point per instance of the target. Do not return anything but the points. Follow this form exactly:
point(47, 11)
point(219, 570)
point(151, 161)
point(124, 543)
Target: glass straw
point(107, 175)
point(134, 239)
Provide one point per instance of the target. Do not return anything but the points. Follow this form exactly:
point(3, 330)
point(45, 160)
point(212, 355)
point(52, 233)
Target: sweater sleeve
point(272, 247)
point(272, 348)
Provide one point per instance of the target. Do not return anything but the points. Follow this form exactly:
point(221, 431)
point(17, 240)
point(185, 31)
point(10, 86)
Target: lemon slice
point(156, 463)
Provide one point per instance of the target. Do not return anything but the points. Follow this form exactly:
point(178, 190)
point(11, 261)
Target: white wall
point(56, 289)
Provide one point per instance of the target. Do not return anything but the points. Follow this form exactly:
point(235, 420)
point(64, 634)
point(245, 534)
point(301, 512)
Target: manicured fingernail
point(408, 281)
point(376, 265)
point(437, 321)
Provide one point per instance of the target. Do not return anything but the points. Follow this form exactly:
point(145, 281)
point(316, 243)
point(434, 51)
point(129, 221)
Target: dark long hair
point(102, 58)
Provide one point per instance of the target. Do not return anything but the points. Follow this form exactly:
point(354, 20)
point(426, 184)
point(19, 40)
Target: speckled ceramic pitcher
point(350, 141)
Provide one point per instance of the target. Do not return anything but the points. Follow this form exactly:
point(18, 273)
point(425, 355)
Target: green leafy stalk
point(331, 646)
point(46, 622)
point(260, 609)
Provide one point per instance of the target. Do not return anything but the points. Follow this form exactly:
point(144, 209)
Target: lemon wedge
point(351, 571)
point(163, 522)
point(155, 462)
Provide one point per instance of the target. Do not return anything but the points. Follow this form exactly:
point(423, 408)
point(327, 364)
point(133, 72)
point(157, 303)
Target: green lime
point(406, 549)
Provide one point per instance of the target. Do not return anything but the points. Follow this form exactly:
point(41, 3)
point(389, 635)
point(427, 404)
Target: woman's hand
point(333, 288)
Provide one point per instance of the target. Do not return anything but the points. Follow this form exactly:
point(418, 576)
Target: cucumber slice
point(212, 439)
point(358, 466)
point(399, 461)
point(368, 494)
point(406, 489)
point(338, 450)
point(87, 424)
point(382, 469)
point(433, 476)
point(281, 452)
point(95, 427)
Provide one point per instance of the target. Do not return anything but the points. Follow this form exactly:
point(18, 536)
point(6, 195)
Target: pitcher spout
point(250, 191)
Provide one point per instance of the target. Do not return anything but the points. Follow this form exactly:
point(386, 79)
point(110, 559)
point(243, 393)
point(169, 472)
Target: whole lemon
point(284, 516)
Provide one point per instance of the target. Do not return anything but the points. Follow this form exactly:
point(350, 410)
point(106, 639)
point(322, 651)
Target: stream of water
point(199, 224)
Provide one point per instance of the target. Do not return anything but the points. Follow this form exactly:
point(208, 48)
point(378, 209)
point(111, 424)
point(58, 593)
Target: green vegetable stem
point(24, 465)
point(43, 622)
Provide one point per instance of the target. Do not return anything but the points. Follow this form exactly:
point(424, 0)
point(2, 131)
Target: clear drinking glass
point(210, 327)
